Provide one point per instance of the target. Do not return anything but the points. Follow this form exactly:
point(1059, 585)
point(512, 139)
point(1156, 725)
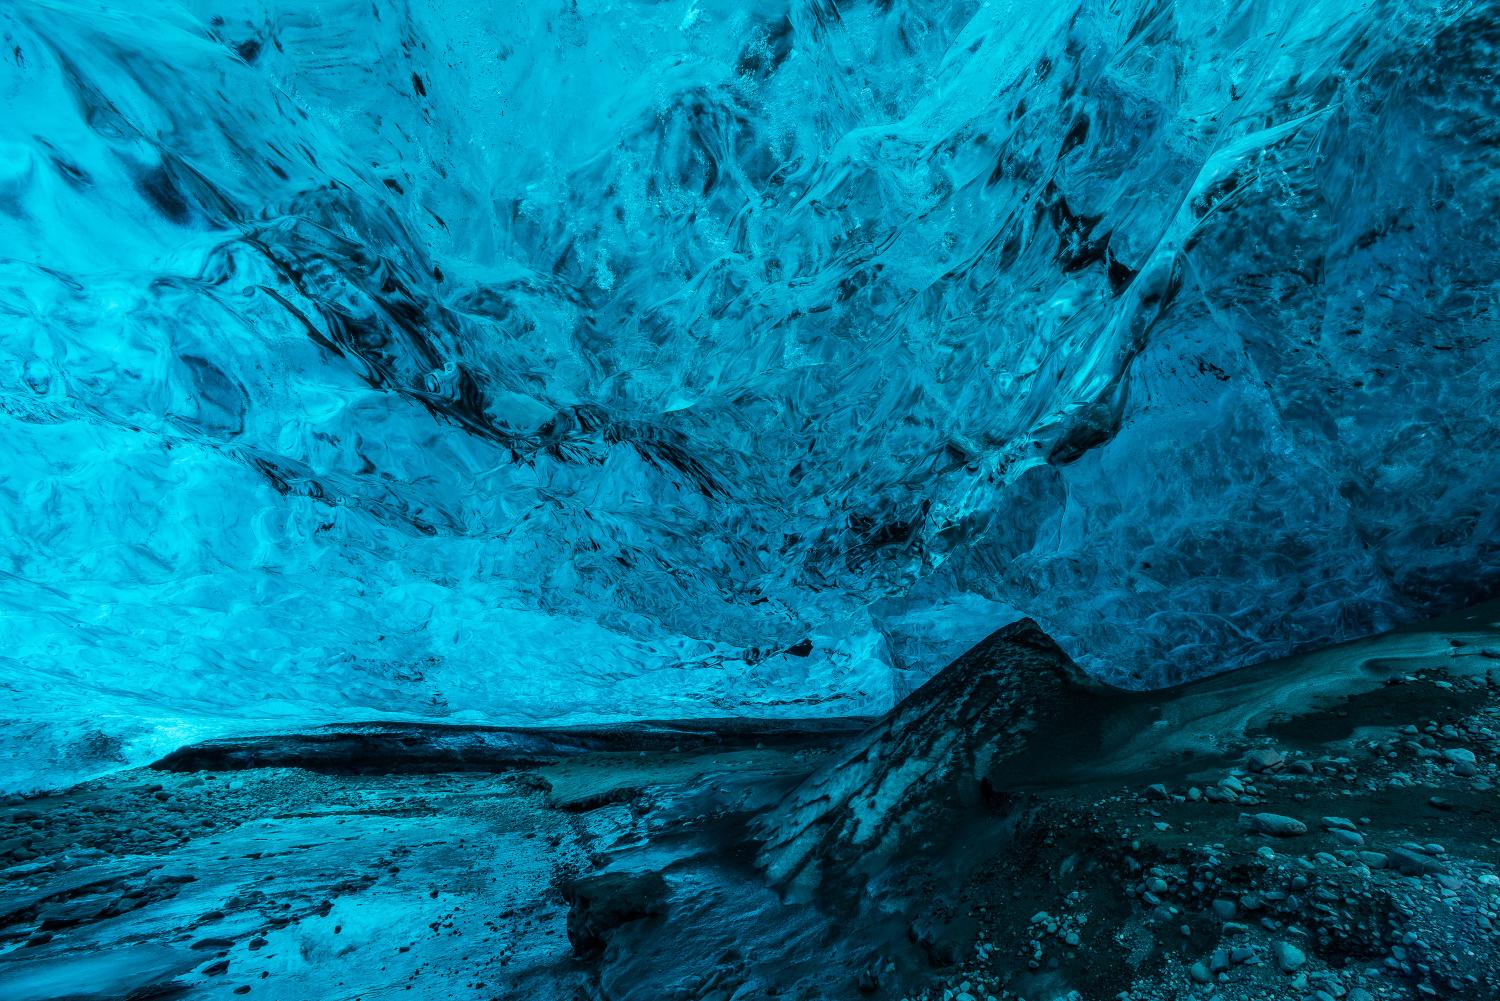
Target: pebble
point(1408, 863)
point(1273, 824)
point(1350, 839)
point(1200, 973)
point(1264, 760)
point(1334, 823)
point(1225, 909)
point(1288, 956)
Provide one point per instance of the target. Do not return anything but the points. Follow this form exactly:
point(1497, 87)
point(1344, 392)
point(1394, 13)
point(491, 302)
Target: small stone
point(1233, 784)
point(1219, 961)
point(1457, 755)
point(1200, 973)
point(1195, 794)
point(1337, 823)
point(1375, 860)
point(1408, 863)
point(1225, 909)
point(1466, 769)
point(1157, 791)
point(1350, 839)
point(1263, 760)
point(1273, 824)
point(1288, 956)
point(1241, 955)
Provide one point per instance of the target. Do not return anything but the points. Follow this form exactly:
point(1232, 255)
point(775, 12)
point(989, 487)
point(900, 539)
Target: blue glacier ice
point(571, 360)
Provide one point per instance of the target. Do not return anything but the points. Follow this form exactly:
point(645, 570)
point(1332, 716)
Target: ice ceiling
point(570, 360)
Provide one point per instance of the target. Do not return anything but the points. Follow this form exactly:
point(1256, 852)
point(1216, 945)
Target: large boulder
point(599, 904)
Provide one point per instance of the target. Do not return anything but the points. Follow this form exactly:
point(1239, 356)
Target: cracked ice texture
point(558, 361)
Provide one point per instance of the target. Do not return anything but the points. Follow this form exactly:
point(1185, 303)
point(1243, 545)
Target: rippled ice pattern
point(561, 361)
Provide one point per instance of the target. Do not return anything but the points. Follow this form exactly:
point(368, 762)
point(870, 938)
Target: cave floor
point(421, 882)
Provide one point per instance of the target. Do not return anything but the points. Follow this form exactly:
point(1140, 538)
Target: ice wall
point(566, 360)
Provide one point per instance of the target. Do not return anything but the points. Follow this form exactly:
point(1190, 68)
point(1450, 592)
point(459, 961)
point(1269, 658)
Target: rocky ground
point(1348, 850)
point(1363, 867)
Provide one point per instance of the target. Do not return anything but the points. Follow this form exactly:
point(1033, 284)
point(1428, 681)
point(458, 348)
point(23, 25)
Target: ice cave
point(690, 500)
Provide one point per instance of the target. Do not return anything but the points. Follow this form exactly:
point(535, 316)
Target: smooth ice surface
point(570, 360)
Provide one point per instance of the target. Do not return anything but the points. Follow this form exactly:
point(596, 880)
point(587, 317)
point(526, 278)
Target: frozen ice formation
point(570, 360)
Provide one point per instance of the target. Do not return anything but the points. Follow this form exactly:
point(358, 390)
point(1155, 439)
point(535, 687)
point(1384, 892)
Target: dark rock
point(1273, 824)
point(212, 943)
point(975, 726)
point(601, 903)
point(1264, 760)
point(1409, 863)
point(1288, 956)
point(65, 915)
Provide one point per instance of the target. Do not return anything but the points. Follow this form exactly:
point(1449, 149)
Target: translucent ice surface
point(576, 359)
